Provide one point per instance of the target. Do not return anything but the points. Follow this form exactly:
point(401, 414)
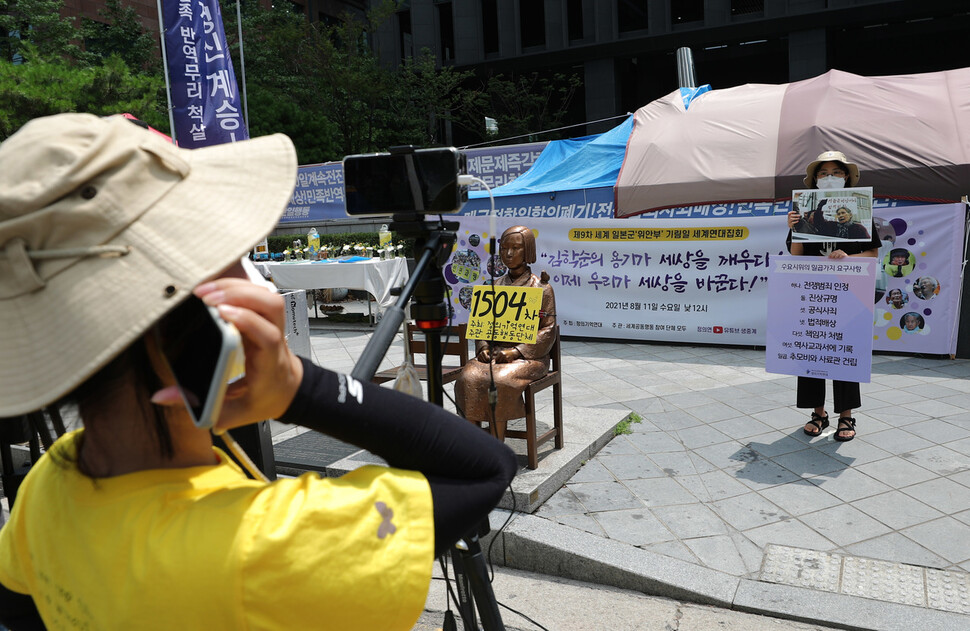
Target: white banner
point(704, 280)
point(674, 280)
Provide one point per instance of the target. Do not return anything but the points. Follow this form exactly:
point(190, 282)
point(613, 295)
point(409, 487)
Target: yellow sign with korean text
point(505, 314)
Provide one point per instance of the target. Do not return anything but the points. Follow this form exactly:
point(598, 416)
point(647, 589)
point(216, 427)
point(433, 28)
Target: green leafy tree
point(313, 135)
point(346, 80)
point(280, 98)
point(44, 72)
point(43, 86)
point(423, 100)
point(521, 104)
point(322, 85)
point(121, 33)
point(36, 22)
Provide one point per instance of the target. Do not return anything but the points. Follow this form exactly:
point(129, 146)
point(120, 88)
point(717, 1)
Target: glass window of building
point(631, 15)
point(532, 23)
point(684, 11)
point(747, 7)
point(446, 31)
point(490, 26)
point(404, 34)
point(574, 19)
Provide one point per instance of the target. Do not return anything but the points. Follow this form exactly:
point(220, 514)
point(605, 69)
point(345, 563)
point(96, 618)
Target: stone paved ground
point(719, 467)
point(719, 473)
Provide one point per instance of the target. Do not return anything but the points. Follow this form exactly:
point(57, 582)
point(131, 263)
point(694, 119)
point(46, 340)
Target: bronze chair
point(456, 346)
point(552, 378)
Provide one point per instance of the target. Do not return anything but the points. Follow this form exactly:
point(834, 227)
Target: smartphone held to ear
point(204, 353)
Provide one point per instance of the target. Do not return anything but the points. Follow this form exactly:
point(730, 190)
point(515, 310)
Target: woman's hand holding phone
point(273, 372)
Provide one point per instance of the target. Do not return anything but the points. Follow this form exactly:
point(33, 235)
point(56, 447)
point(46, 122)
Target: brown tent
point(909, 134)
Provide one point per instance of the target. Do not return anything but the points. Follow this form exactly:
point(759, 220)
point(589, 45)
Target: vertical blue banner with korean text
point(205, 99)
point(820, 317)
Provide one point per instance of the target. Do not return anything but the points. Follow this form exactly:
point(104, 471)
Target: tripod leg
point(470, 567)
point(466, 609)
point(39, 424)
point(56, 419)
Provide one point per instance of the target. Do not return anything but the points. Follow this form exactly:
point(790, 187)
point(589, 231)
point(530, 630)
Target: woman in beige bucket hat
point(830, 170)
point(136, 521)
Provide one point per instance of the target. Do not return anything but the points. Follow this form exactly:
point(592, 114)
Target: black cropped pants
point(811, 394)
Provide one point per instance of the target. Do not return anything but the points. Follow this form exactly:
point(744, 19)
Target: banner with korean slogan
point(820, 317)
point(205, 100)
point(505, 314)
point(677, 280)
point(703, 278)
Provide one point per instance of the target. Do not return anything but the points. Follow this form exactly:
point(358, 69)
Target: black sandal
point(846, 424)
point(818, 421)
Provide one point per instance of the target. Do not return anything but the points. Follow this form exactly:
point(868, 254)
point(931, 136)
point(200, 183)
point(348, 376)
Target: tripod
point(427, 286)
point(31, 428)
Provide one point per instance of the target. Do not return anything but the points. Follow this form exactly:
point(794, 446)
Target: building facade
point(625, 50)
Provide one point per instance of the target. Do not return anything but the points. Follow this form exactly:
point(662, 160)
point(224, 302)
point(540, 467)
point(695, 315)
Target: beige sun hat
point(104, 228)
point(831, 156)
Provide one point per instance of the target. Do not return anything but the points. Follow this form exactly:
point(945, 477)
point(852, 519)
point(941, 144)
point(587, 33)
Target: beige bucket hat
point(831, 156)
point(104, 228)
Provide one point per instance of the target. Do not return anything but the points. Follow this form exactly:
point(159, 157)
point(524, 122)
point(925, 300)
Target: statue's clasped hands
point(501, 357)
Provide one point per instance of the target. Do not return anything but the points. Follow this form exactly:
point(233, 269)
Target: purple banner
point(318, 195)
point(205, 100)
point(919, 280)
point(820, 317)
point(498, 166)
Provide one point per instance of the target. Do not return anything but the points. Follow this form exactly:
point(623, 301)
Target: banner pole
point(955, 330)
point(242, 65)
point(168, 87)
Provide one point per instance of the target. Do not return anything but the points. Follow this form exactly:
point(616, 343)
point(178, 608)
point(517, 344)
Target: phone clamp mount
point(434, 240)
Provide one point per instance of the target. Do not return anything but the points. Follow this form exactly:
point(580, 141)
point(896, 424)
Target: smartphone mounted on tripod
point(407, 184)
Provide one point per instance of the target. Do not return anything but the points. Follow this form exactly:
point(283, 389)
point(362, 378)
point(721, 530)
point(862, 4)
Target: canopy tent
point(909, 134)
point(571, 165)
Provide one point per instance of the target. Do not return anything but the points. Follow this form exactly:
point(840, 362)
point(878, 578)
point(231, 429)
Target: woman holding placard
point(831, 170)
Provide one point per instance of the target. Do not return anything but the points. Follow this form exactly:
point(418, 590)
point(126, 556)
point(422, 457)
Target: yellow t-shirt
point(207, 548)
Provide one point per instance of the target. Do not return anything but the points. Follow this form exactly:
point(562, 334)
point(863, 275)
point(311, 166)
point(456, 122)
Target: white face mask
point(830, 181)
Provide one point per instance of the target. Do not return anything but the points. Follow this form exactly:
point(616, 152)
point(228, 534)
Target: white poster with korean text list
point(820, 317)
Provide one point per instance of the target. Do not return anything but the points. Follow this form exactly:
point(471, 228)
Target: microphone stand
point(430, 312)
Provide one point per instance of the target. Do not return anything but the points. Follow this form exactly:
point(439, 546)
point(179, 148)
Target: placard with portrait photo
point(843, 214)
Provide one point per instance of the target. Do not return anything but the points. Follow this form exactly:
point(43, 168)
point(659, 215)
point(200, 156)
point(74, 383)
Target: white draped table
point(375, 276)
